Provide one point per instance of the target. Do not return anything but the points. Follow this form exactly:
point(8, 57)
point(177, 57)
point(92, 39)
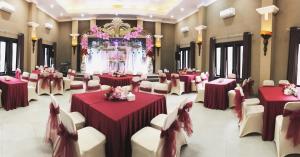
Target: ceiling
point(151, 10)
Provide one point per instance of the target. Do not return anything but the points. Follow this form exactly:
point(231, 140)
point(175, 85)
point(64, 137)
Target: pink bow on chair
point(238, 99)
point(52, 125)
point(57, 82)
point(45, 81)
point(294, 126)
point(162, 79)
point(185, 119)
point(174, 80)
point(18, 74)
point(65, 146)
point(169, 135)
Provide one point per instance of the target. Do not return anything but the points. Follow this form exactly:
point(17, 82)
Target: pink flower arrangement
point(116, 94)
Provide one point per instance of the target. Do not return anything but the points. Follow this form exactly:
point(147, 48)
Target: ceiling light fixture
point(151, 16)
point(82, 15)
point(116, 14)
point(172, 16)
point(181, 9)
point(61, 14)
point(52, 6)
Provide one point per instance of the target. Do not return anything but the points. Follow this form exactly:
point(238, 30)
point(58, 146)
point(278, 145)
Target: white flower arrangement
point(290, 90)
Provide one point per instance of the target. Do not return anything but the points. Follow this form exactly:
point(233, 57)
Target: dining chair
point(43, 86)
point(284, 145)
point(151, 142)
point(25, 76)
point(146, 86)
point(87, 142)
point(283, 82)
point(32, 86)
point(196, 83)
point(268, 83)
point(93, 85)
point(252, 119)
point(57, 84)
point(177, 86)
point(163, 86)
point(67, 80)
point(231, 76)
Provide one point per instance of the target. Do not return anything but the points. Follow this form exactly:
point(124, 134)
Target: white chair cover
point(44, 84)
point(283, 82)
point(57, 84)
point(268, 83)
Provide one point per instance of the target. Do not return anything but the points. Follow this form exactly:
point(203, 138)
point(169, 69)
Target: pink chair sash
point(169, 135)
point(52, 125)
point(294, 126)
point(93, 87)
point(145, 89)
point(174, 81)
point(135, 86)
point(45, 81)
point(162, 79)
point(238, 99)
point(18, 74)
point(57, 82)
point(33, 80)
point(185, 119)
point(65, 144)
point(248, 88)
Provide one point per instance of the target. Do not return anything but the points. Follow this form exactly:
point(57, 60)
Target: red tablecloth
point(273, 100)
point(118, 120)
point(14, 93)
point(107, 79)
point(215, 95)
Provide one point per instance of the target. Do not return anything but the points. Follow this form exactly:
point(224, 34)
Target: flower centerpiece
point(290, 89)
point(116, 94)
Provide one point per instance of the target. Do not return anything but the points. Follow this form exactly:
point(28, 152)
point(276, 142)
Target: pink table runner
point(273, 100)
point(118, 120)
point(14, 93)
point(215, 95)
point(107, 79)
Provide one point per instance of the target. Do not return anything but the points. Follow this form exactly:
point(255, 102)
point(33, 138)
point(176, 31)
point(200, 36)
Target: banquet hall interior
point(149, 78)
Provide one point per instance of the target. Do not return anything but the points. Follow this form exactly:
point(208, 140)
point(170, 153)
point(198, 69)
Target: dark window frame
point(8, 55)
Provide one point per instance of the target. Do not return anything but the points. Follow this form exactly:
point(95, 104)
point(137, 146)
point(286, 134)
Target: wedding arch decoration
point(117, 47)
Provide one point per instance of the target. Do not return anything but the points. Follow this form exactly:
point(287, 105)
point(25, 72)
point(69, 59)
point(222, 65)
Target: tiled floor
point(215, 132)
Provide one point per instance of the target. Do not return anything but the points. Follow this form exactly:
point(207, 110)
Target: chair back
point(54, 101)
point(25, 74)
point(268, 83)
point(95, 77)
point(170, 119)
point(136, 79)
point(33, 79)
point(291, 106)
point(283, 82)
point(232, 76)
point(92, 83)
point(146, 84)
point(159, 72)
point(183, 103)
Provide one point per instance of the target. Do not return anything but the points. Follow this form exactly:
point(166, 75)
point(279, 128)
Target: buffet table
point(273, 100)
point(114, 81)
point(14, 93)
point(215, 95)
point(118, 121)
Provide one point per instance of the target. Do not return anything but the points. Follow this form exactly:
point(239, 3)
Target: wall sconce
point(33, 39)
point(266, 35)
point(199, 36)
point(158, 42)
point(74, 42)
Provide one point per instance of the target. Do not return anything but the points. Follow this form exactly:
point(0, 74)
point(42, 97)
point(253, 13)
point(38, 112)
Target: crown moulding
point(4, 6)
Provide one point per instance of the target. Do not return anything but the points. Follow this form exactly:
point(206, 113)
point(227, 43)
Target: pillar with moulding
point(140, 23)
point(32, 37)
point(200, 59)
point(267, 20)
point(74, 55)
point(157, 38)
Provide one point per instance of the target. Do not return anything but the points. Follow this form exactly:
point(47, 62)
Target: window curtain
point(212, 52)
point(247, 39)
point(40, 52)
point(193, 54)
point(20, 53)
point(293, 54)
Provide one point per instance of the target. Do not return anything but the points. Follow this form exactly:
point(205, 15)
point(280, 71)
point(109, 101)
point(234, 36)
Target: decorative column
point(199, 42)
point(157, 45)
point(32, 37)
point(140, 23)
point(74, 37)
point(267, 20)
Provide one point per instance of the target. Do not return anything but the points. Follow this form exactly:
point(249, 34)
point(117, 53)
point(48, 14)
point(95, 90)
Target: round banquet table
point(273, 100)
point(14, 93)
point(215, 95)
point(113, 81)
point(118, 121)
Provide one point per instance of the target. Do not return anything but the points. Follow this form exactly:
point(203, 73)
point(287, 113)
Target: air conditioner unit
point(48, 25)
point(184, 29)
point(227, 13)
point(7, 7)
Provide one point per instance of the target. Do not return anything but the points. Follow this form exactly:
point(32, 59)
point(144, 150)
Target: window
point(229, 59)
point(48, 55)
point(8, 56)
point(184, 58)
